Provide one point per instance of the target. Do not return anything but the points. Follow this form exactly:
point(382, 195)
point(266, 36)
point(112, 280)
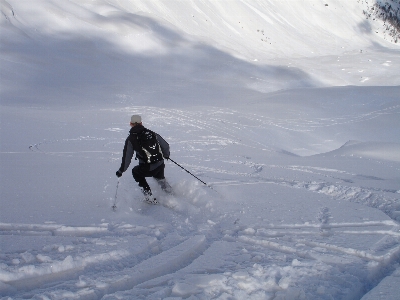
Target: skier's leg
point(165, 186)
point(159, 176)
point(139, 173)
point(159, 172)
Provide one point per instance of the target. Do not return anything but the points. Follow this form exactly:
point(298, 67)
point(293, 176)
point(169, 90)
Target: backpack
point(151, 150)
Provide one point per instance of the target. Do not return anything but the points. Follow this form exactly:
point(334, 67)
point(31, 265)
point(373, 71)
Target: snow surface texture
point(288, 110)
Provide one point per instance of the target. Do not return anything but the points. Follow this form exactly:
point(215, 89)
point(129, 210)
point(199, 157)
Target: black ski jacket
point(132, 145)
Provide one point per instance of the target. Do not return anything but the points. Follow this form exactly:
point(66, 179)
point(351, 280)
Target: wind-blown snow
point(288, 110)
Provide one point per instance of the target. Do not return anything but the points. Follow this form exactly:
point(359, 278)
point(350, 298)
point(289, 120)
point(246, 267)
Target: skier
point(151, 150)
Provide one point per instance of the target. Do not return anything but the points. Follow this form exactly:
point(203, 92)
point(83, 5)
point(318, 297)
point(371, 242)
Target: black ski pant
point(141, 171)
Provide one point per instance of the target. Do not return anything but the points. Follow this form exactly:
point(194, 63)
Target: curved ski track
point(146, 268)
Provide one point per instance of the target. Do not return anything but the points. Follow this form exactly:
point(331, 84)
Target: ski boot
point(148, 197)
point(165, 186)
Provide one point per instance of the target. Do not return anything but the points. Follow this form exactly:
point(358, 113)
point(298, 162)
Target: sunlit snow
point(288, 110)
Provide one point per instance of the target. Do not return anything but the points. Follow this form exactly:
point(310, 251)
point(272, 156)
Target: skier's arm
point(164, 146)
point(127, 155)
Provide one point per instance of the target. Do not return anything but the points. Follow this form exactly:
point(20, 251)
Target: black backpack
point(151, 150)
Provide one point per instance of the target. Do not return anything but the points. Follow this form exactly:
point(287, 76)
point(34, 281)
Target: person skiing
point(151, 150)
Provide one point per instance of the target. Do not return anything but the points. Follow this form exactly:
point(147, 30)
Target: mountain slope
point(290, 116)
point(92, 50)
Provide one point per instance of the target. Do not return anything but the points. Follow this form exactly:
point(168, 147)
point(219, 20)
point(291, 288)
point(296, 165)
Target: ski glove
point(119, 174)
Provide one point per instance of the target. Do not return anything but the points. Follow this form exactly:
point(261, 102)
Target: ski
point(151, 200)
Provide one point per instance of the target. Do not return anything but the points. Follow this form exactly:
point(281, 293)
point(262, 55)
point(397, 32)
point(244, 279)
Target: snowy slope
point(102, 49)
point(288, 110)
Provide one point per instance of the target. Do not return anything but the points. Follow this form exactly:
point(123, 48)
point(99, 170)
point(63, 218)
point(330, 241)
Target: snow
point(288, 110)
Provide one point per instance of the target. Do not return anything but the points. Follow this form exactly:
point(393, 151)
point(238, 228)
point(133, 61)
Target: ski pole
point(114, 207)
point(189, 172)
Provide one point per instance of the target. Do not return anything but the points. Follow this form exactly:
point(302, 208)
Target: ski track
point(71, 268)
point(385, 200)
point(69, 271)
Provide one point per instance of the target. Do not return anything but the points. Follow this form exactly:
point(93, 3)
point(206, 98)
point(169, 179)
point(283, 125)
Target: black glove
point(119, 174)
